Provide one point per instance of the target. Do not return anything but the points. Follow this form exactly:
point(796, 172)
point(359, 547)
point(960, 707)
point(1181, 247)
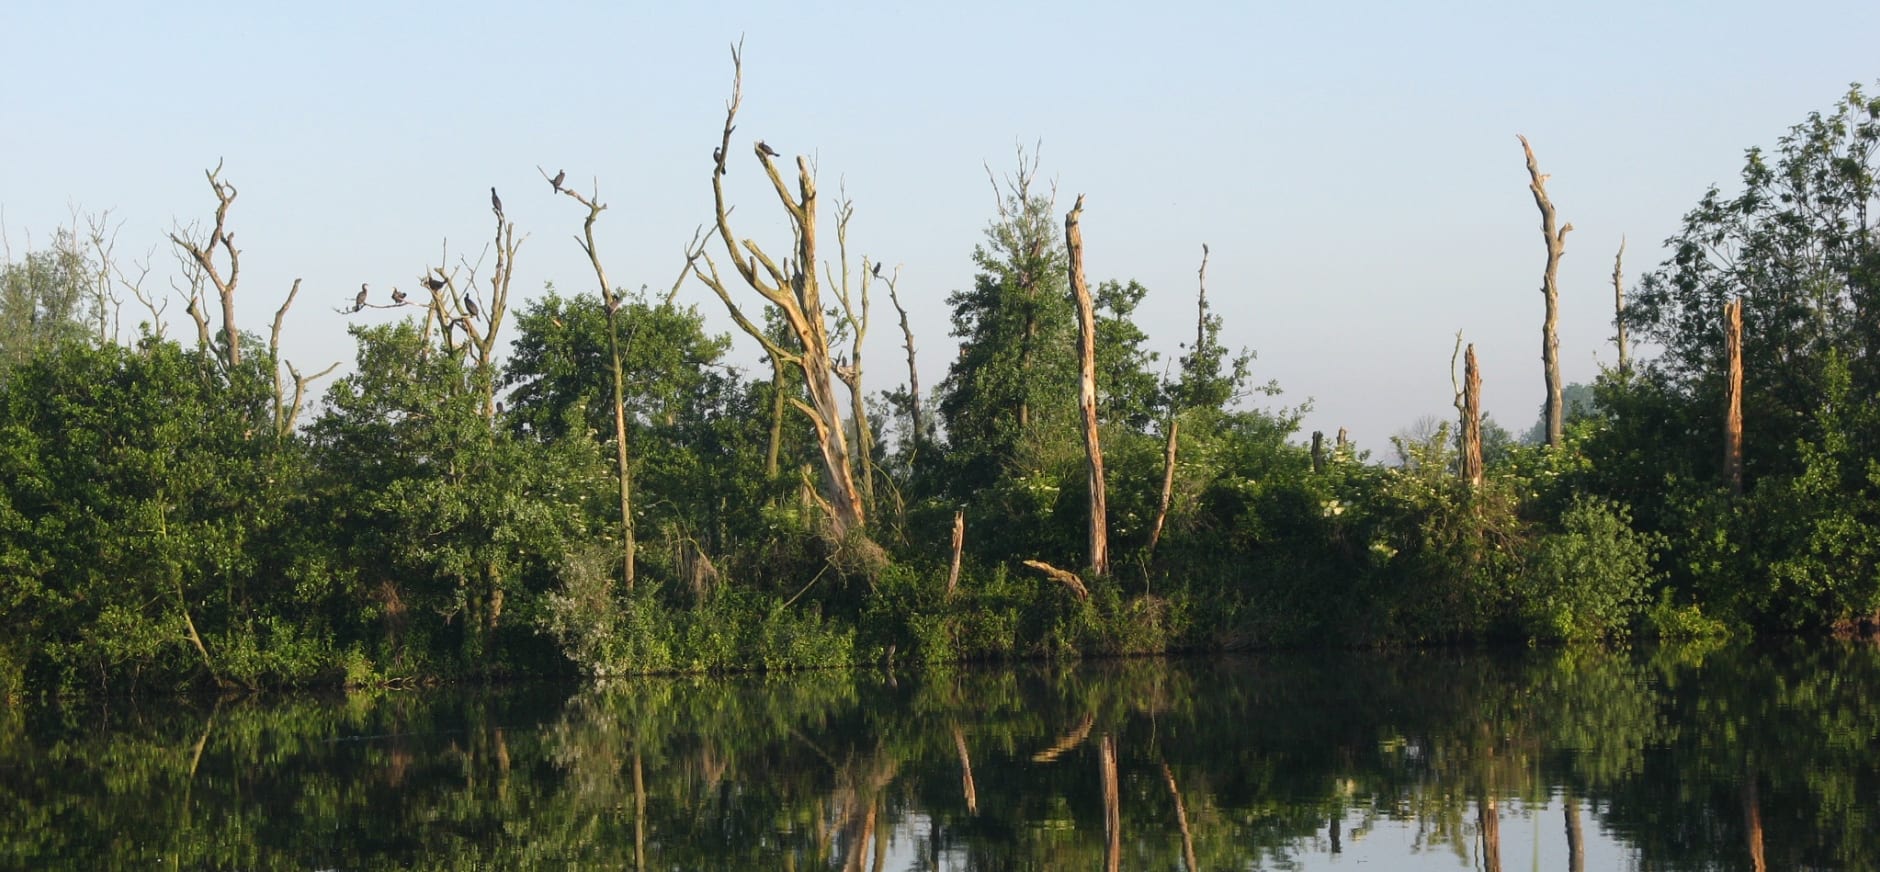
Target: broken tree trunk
point(1733, 396)
point(1550, 288)
point(1618, 310)
point(1099, 537)
point(202, 257)
point(967, 788)
point(1181, 819)
point(1471, 419)
point(913, 372)
point(959, 542)
point(1168, 483)
point(1112, 806)
point(1488, 819)
point(1068, 579)
point(1318, 451)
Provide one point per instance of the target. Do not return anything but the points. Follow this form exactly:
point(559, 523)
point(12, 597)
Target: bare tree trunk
point(797, 296)
point(1318, 451)
point(1618, 310)
point(1471, 419)
point(1168, 483)
point(1550, 288)
point(203, 257)
point(622, 467)
point(286, 411)
point(959, 542)
point(850, 373)
point(913, 372)
point(1733, 415)
point(777, 400)
point(1099, 536)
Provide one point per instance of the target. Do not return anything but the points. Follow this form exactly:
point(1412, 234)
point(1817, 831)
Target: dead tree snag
point(1550, 289)
point(1099, 538)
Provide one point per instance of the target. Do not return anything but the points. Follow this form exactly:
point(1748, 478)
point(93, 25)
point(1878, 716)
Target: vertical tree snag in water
point(1471, 419)
point(1099, 538)
point(1576, 837)
point(1733, 388)
point(1550, 288)
point(1112, 805)
point(1488, 819)
point(1618, 309)
point(792, 287)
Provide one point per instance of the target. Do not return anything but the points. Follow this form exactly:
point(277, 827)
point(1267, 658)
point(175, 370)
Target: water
point(1721, 758)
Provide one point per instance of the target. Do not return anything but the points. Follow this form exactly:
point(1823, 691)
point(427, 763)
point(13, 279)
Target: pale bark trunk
point(1733, 389)
point(1099, 538)
point(1550, 289)
point(959, 542)
point(1181, 820)
point(1112, 806)
point(1168, 484)
point(1618, 310)
point(1471, 419)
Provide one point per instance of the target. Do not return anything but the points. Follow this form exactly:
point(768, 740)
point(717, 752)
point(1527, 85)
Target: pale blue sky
point(1353, 166)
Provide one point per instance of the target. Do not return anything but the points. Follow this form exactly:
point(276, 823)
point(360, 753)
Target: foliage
point(1590, 580)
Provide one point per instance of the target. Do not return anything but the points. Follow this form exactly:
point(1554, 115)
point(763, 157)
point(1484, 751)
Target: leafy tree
point(40, 300)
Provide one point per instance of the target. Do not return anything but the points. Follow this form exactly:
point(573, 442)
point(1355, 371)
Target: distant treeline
point(614, 494)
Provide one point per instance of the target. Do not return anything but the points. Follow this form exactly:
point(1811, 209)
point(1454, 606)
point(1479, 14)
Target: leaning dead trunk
point(1099, 537)
point(1550, 289)
point(1168, 483)
point(1733, 395)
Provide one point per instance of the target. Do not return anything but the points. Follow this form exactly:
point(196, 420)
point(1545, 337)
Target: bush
point(1592, 579)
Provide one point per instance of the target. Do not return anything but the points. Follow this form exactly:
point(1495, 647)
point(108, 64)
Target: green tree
point(40, 301)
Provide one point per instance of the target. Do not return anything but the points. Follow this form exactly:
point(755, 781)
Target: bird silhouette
point(496, 203)
point(765, 148)
point(877, 269)
point(434, 283)
point(398, 296)
point(359, 302)
point(556, 181)
point(718, 159)
point(470, 305)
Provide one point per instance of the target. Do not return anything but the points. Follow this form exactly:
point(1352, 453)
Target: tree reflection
point(1757, 758)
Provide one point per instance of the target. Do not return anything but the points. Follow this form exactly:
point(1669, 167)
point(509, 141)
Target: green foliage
point(1592, 579)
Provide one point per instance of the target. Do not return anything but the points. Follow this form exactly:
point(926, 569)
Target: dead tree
point(1550, 288)
point(854, 322)
point(798, 299)
point(1488, 820)
point(286, 411)
point(1318, 451)
point(1469, 407)
point(1112, 805)
point(1733, 396)
point(1618, 310)
point(1181, 819)
point(1173, 425)
point(959, 542)
point(913, 372)
point(1099, 538)
point(622, 470)
point(203, 255)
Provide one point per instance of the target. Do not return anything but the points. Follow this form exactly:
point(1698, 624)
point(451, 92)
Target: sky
point(1353, 167)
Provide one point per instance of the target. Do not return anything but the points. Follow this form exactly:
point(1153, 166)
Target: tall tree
point(1099, 529)
point(1556, 240)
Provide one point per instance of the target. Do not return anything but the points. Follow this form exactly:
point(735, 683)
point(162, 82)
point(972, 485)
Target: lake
point(1719, 757)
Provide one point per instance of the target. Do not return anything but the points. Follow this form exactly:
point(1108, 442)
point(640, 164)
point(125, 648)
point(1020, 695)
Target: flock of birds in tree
point(436, 284)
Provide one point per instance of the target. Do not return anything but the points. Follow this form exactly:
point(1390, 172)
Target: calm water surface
point(1718, 758)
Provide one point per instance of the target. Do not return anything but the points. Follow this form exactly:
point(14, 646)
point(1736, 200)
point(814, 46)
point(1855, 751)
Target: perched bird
point(877, 269)
point(434, 283)
point(765, 148)
point(496, 203)
point(398, 296)
point(718, 158)
point(359, 302)
point(470, 305)
point(556, 181)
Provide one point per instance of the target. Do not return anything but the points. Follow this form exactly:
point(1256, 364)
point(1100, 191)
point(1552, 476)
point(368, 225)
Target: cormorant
point(496, 203)
point(434, 283)
point(470, 305)
point(398, 296)
point(359, 302)
point(556, 181)
point(765, 148)
point(877, 269)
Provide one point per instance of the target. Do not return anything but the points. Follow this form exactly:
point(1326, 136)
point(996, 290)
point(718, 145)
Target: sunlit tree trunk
point(1550, 289)
point(1733, 413)
point(1099, 537)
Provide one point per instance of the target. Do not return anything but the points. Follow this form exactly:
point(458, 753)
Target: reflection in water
point(1663, 759)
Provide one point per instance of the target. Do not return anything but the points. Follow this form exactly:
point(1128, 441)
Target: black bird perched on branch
point(877, 269)
point(470, 305)
point(398, 296)
point(359, 302)
point(556, 181)
point(765, 148)
point(496, 203)
point(434, 283)
point(718, 159)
